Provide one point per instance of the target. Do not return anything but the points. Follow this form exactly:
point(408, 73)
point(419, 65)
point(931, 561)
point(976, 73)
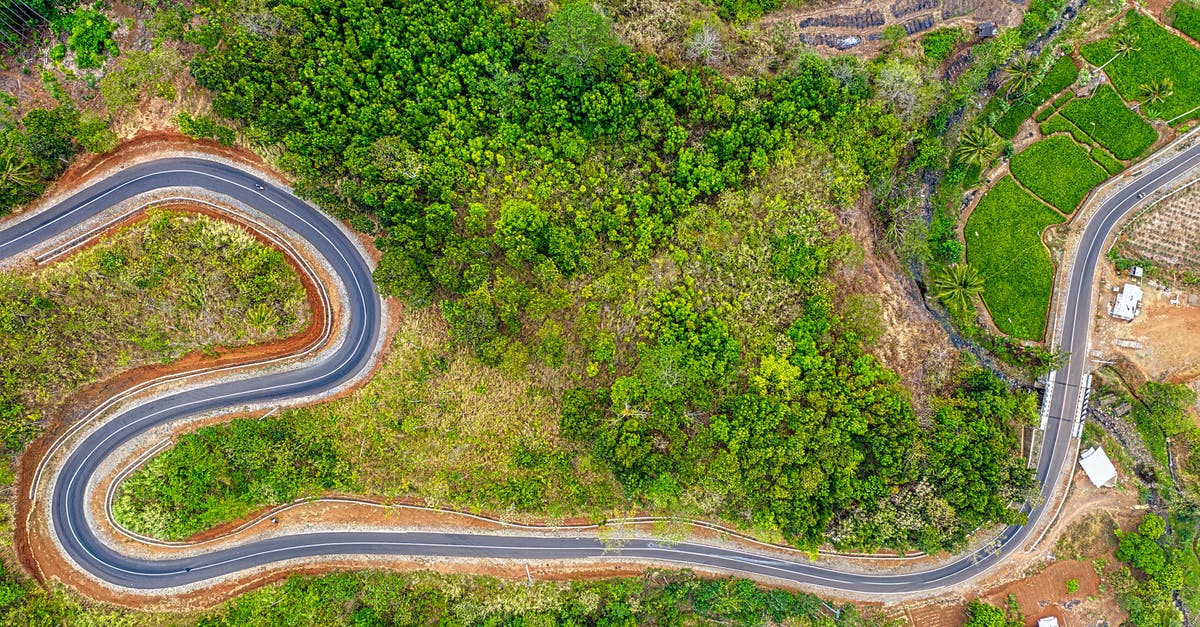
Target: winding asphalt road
point(355, 354)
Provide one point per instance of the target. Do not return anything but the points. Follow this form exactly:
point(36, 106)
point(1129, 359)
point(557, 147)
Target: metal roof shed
point(1099, 469)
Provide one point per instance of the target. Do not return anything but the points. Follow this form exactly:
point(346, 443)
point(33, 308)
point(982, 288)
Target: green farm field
point(1004, 242)
point(1157, 54)
point(1058, 170)
point(1113, 125)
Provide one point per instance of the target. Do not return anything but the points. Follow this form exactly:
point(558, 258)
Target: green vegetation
point(1030, 91)
point(1072, 586)
point(1059, 124)
point(1062, 100)
point(355, 599)
point(141, 73)
point(1061, 75)
point(1009, 124)
point(957, 284)
point(1004, 243)
point(567, 205)
point(981, 614)
point(1106, 119)
point(89, 36)
point(1044, 114)
point(1155, 54)
point(1148, 600)
point(1107, 161)
point(1058, 170)
point(1186, 18)
point(1161, 413)
point(657, 598)
point(136, 298)
point(204, 127)
point(939, 44)
point(37, 150)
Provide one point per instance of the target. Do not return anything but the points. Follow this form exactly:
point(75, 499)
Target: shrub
point(940, 43)
point(1058, 170)
point(90, 38)
point(1004, 243)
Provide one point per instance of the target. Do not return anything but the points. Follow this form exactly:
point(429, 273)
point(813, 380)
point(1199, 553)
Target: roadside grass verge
point(1003, 237)
point(1106, 119)
point(1158, 54)
point(1059, 124)
point(432, 423)
point(1057, 170)
point(150, 293)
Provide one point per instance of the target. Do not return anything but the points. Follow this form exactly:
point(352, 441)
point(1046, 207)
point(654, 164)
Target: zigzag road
point(355, 354)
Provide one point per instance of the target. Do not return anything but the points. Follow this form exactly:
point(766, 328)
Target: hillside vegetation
point(647, 252)
point(150, 293)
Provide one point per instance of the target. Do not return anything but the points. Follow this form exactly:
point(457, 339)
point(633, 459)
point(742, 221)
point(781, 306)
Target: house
point(1099, 469)
point(1128, 301)
point(986, 30)
point(1137, 272)
point(1048, 621)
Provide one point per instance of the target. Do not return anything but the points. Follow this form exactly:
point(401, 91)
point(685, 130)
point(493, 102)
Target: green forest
point(572, 206)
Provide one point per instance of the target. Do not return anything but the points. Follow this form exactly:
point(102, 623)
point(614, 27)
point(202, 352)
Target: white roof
point(1127, 302)
point(1049, 621)
point(1098, 467)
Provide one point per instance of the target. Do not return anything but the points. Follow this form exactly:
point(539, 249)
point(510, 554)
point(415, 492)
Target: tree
point(580, 40)
point(1158, 90)
point(980, 614)
point(977, 145)
point(899, 83)
point(956, 284)
point(1022, 75)
point(15, 173)
point(1126, 44)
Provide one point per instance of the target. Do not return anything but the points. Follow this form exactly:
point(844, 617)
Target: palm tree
point(15, 172)
point(977, 145)
point(1022, 75)
point(956, 284)
point(1124, 45)
point(1157, 91)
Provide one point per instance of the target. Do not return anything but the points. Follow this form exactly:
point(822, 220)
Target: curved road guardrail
point(355, 354)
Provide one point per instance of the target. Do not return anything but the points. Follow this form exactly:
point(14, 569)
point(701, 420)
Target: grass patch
point(1044, 114)
point(432, 423)
point(1058, 170)
point(1186, 18)
point(1004, 242)
point(1061, 75)
point(1106, 119)
point(155, 290)
point(1009, 123)
point(1059, 124)
point(1062, 100)
point(1160, 54)
point(1107, 161)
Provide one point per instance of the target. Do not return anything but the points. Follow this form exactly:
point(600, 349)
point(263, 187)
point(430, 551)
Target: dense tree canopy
point(528, 178)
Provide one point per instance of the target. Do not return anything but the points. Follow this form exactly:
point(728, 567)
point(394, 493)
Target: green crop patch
point(1157, 54)
point(1009, 123)
point(1107, 161)
point(1059, 124)
point(1060, 76)
point(1186, 18)
point(1107, 120)
point(1004, 242)
point(1058, 170)
point(1063, 99)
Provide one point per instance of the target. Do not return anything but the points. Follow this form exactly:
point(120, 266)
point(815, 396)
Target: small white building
point(1098, 468)
point(1048, 621)
point(1128, 301)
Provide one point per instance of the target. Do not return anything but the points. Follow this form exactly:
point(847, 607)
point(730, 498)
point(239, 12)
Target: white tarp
point(1098, 467)
point(1049, 621)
